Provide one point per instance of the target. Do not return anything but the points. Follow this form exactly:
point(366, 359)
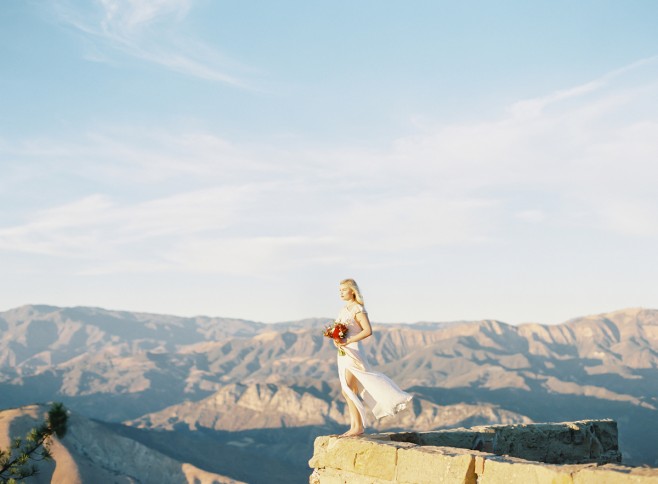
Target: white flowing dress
point(379, 392)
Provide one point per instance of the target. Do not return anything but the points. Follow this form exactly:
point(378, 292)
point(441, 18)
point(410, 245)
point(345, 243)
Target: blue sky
point(461, 160)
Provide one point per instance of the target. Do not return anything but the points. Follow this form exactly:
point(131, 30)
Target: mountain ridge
point(135, 367)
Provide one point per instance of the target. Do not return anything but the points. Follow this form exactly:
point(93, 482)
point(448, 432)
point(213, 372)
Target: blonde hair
point(351, 283)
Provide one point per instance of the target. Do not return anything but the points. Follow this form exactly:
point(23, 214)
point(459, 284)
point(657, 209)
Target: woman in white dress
point(380, 393)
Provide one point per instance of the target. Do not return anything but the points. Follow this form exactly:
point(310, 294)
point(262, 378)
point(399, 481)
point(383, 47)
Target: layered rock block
point(578, 442)
point(580, 452)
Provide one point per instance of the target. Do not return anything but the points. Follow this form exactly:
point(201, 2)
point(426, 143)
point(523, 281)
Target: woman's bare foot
point(353, 433)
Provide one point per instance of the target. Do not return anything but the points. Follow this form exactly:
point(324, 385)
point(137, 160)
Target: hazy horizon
point(282, 321)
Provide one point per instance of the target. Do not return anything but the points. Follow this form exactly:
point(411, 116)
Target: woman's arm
point(366, 328)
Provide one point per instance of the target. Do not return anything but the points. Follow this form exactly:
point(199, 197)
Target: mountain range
point(266, 390)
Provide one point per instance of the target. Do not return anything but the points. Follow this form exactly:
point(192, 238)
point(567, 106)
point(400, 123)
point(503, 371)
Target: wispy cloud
point(150, 30)
point(193, 201)
point(97, 227)
point(135, 155)
point(528, 108)
point(591, 149)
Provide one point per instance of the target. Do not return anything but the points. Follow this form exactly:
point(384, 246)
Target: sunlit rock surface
point(584, 452)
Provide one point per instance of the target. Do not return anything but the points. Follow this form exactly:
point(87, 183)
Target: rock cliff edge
point(582, 452)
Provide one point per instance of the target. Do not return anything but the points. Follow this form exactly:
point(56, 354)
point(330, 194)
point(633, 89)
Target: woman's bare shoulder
point(358, 308)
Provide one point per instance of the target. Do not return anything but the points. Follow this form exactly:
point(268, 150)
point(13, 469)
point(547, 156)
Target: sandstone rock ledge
point(583, 452)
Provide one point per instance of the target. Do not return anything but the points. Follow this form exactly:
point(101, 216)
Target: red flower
point(336, 332)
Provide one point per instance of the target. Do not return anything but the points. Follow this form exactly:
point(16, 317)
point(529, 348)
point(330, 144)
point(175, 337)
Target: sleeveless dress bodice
point(347, 316)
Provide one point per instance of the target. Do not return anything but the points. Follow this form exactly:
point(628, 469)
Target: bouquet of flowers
point(336, 332)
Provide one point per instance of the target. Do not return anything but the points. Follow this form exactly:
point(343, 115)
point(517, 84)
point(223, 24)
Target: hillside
point(264, 406)
point(255, 381)
point(90, 452)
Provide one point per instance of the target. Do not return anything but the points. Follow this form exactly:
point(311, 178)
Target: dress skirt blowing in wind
point(379, 392)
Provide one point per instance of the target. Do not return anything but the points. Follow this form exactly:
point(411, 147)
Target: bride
point(380, 393)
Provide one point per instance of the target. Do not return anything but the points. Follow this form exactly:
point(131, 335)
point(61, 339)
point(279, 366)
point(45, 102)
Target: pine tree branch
point(35, 446)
